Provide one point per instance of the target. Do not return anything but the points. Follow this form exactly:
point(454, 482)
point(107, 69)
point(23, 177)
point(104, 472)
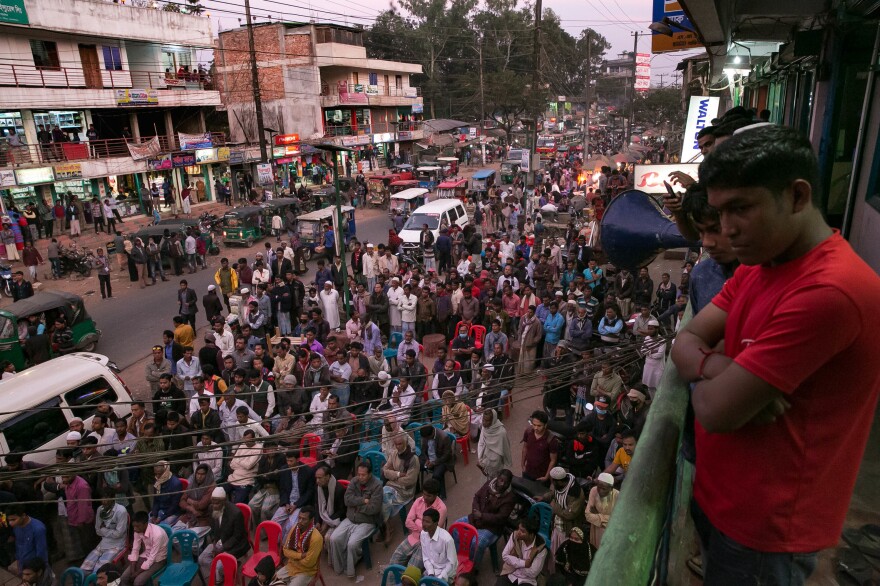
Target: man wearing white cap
point(600, 505)
point(566, 498)
point(654, 351)
point(212, 303)
point(330, 304)
point(371, 266)
point(228, 533)
point(395, 294)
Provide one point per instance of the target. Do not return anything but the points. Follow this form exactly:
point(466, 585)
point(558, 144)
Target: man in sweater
point(363, 499)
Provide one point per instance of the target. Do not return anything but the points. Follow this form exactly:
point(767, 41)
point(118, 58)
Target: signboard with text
point(137, 97)
point(7, 178)
point(191, 142)
point(650, 178)
point(162, 163)
point(68, 171)
point(701, 111)
point(182, 160)
point(681, 38)
point(286, 139)
point(264, 174)
point(34, 176)
point(13, 12)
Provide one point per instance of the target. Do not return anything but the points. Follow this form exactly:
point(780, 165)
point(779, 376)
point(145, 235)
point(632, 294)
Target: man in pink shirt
point(409, 552)
point(148, 551)
point(80, 514)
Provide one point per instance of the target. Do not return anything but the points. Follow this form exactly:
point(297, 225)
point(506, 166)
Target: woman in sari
point(195, 502)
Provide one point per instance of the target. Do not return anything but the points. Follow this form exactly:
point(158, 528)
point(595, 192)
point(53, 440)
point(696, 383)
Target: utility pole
point(255, 83)
point(632, 95)
point(587, 96)
point(662, 75)
point(536, 82)
point(482, 101)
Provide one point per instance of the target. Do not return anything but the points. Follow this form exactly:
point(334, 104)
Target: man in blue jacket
point(554, 327)
point(293, 496)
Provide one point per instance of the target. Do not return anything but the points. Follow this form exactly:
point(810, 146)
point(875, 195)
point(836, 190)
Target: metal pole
point(536, 83)
point(340, 237)
point(632, 96)
point(587, 97)
point(255, 83)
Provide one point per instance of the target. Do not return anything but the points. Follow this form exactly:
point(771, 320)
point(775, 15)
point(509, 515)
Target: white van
point(440, 212)
point(37, 404)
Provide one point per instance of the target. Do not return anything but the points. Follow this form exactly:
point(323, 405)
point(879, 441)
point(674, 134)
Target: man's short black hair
point(432, 514)
point(705, 131)
point(769, 156)
point(37, 564)
point(530, 524)
point(696, 205)
point(540, 416)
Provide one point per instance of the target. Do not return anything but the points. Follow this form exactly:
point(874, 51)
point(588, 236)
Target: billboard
point(137, 97)
point(650, 178)
point(681, 39)
point(701, 111)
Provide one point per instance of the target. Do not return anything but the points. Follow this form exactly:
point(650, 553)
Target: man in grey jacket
point(363, 499)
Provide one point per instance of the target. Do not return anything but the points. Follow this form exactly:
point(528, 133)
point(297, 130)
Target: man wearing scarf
point(529, 334)
point(302, 547)
point(331, 501)
point(195, 503)
point(567, 501)
point(492, 506)
point(166, 498)
point(401, 472)
point(111, 525)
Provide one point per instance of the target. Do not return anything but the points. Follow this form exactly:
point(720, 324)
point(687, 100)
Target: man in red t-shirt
point(540, 449)
point(776, 459)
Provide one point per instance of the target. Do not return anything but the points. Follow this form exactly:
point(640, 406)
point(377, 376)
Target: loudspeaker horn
point(635, 230)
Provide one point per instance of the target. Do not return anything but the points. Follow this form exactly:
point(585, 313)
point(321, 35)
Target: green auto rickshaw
point(42, 309)
point(244, 225)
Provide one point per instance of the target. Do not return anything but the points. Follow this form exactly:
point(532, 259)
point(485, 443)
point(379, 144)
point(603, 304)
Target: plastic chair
point(454, 439)
point(182, 572)
point(309, 444)
point(365, 549)
point(318, 578)
point(545, 519)
point(466, 545)
point(465, 443)
point(432, 581)
point(393, 342)
point(125, 550)
point(91, 579)
point(344, 483)
point(230, 569)
point(368, 446)
point(184, 483)
point(396, 571)
point(377, 460)
point(478, 333)
point(76, 576)
point(372, 429)
point(273, 531)
point(247, 514)
point(167, 529)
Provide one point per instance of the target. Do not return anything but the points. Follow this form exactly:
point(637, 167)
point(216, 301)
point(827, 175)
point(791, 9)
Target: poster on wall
point(68, 171)
point(7, 178)
point(162, 163)
point(191, 142)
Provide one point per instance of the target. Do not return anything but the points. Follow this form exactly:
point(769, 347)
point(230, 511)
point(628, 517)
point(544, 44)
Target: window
point(112, 60)
point(461, 212)
point(398, 82)
point(84, 398)
point(453, 215)
point(374, 78)
point(36, 427)
point(355, 78)
point(45, 54)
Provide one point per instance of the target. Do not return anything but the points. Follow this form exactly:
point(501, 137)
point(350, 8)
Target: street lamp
point(665, 26)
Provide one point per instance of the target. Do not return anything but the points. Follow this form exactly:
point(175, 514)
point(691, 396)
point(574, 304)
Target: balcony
point(372, 95)
point(67, 77)
point(331, 130)
point(60, 152)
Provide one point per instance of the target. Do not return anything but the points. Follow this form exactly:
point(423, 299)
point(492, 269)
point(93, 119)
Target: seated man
point(567, 500)
point(302, 547)
point(296, 489)
point(409, 552)
point(523, 556)
point(30, 536)
point(439, 554)
point(401, 473)
point(330, 508)
point(456, 416)
point(111, 525)
point(438, 454)
point(37, 572)
point(228, 533)
point(492, 506)
point(244, 465)
point(363, 499)
point(148, 551)
point(623, 456)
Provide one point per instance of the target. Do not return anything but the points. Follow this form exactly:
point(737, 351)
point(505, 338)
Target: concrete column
point(169, 128)
point(30, 127)
point(208, 178)
point(134, 126)
point(202, 123)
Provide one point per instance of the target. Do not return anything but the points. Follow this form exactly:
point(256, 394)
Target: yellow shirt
point(307, 564)
point(622, 459)
point(184, 335)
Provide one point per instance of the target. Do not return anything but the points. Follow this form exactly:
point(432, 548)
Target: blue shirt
point(553, 326)
point(30, 541)
point(329, 239)
point(169, 354)
point(604, 328)
point(707, 279)
point(432, 450)
point(541, 312)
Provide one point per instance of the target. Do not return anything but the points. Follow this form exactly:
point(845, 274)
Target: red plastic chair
point(230, 569)
point(478, 333)
point(247, 514)
point(184, 483)
point(467, 546)
point(309, 444)
point(344, 483)
point(272, 530)
point(318, 577)
point(127, 549)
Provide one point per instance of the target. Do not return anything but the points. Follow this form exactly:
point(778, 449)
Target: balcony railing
point(375, 128)
point(372, 90)
point(644, 531)
point(78, 78)
point(56, 152)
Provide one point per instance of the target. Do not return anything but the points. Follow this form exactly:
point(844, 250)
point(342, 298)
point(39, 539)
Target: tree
point(194, 7)
point(659, 107)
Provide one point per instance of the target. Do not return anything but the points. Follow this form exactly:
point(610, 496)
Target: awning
point(443, 125)
point(443, 140)
point(496, 132)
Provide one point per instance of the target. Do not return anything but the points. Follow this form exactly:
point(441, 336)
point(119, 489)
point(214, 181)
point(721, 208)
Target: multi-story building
point(82, 81)
point(317, 82)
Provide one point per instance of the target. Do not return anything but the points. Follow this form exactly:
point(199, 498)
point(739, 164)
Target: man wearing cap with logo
point(600, 505)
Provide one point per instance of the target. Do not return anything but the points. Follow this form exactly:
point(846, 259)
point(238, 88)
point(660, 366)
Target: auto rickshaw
point(482, 180)
point(378, 188)
point(429, 176)
point(407, 200)
point(453, 188)
point(405, 171)
point(449, 162)
point(279, 207)
point(310, 228)
point(46, 306)
point(509, 170)
point(403, 185)
point(243, 225)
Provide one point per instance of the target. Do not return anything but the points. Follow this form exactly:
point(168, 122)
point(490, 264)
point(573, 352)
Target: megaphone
point(635, 230)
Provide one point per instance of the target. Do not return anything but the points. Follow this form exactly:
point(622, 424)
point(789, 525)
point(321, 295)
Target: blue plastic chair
point(76, 576)
point(91, 579)
point(182, 572)
point(396, 571)
point(377, 459)
point(432, 581)
point(436, 409)
point(545, 519)
point(415, 428)
point(453, 438)
point(373, 429)
point(368, 446)
point(167, 529)
point(393, 342)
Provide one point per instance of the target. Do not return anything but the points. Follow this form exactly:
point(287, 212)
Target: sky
point(614, 19)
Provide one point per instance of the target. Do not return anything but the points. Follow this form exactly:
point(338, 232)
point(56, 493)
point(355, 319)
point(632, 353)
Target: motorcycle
point(6, 275)
point(75, 260)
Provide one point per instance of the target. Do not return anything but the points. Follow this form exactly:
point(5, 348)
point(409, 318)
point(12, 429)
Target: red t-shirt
point(809, 328)
point(538, 452)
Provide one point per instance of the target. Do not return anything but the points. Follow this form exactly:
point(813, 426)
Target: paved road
point(133, 321)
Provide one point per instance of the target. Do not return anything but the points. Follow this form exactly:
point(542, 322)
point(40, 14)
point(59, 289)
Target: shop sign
point(383, 137)
point(285, 151)
point(206, 155)
point(650, 178)
point(34, 176)
point(13, 12)
point(7, 179)
point(162, 163)
point(349, 141)
point(346, 97)
point(418, 108)
point(191, 142)
point(68, 171)
point(236, 157)
point(285, 160)
point(411, 92)
point(182, 160)
point(359, 88)
point(194, 170)
point(372, 90)
point(286, 139)
point(681, 38)
point(701, 111)
point(137, 97)
point(222, 153)
point(405, 135)
point(264, 174)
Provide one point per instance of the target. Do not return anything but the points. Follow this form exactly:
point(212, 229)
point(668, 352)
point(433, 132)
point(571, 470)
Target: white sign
point(643, 71)
point(7, 179)
point(700, 114)
point(650, 178)
point(525, 160)
point(264, 174)
point(643, 83)
point(643, 58)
